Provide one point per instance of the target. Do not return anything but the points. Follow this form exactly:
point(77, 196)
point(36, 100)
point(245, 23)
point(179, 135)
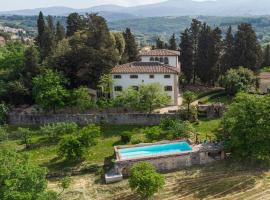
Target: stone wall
point(162, 164)
point(82, 119)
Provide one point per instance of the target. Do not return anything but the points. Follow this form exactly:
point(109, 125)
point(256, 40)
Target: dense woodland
point(63, 62)
point(56, 70)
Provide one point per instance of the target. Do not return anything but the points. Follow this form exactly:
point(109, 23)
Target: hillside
point(148, 28)
point(167, 8)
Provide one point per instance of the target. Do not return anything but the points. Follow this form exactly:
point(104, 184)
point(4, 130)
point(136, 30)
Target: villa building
point(156, 66)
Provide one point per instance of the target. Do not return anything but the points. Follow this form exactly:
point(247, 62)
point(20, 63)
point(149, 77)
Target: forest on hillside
point(148, 29)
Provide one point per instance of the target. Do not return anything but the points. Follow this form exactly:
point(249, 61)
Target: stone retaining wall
point(82, 119)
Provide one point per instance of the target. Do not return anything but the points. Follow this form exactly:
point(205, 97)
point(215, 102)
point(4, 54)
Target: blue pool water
point(153, 150)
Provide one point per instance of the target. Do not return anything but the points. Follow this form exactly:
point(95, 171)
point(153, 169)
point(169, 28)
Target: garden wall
point(82, 119)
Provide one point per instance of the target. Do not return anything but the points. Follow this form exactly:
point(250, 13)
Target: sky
point(7, 5)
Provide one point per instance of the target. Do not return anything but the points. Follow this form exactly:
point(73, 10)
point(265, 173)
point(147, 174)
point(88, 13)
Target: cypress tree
point(266, 57)
point(209, 49)
point(60, 32)
point(203, 69)
point(172, 42)
point(227, 60)
point(41, 25)
point(214, 57)
point(247, 50)
point(186, 55)
point(195, 30)
point(51, 25)
point(131, 49)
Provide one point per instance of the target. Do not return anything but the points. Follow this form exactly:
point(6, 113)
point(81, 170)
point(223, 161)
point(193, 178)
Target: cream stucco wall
point(126, 82)
point(173, 60)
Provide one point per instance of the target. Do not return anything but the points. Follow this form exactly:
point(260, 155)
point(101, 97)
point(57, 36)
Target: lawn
point(207, 129)
point(44, 152)
point(222, 180)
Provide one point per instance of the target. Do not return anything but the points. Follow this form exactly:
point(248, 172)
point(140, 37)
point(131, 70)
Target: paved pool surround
point(198, 155)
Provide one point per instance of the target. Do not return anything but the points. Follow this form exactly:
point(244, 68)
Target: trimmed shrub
point(126, 136)
point(145, 181)
point(70, 148)
point(153, 133)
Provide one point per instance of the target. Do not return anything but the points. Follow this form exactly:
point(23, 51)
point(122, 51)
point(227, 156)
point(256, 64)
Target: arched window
point(161, 59)
point(166, 60)
point(152, 59)
point(157, 59)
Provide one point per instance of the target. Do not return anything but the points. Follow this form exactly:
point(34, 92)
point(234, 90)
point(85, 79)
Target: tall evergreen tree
point(41, 25)
point(74, 23)
point(203, 70)
point(186, 55)
point(209, 49)
point(51, 25)
point(31, 66)
point(227, 60)
point(266, 56)
point(172, 43)
point(247, 50)
point(195, 30)
point(215, 54)
point(131, 49)
point(60, 32)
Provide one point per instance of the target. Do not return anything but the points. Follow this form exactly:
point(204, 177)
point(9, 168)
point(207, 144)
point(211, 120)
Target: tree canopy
point(246, 128)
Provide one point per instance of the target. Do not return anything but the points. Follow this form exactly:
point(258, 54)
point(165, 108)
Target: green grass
point(227, 100)
point(207, 129)
point(265, 69)
point(44, 152)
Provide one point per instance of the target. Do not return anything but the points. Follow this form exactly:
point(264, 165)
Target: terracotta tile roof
point(144, 67)
point(160, 52)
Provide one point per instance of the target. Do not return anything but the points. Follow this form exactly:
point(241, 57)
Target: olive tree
point(21, 180)
point(145, 181)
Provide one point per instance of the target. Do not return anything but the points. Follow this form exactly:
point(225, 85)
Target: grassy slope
point(218, 181)
point(44, 152)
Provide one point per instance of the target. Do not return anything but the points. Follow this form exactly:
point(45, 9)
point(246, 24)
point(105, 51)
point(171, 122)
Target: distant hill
point(167, 8)
point(110, 12)
point(149, 28)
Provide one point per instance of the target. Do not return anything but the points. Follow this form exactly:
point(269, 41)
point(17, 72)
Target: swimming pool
point(153, 150)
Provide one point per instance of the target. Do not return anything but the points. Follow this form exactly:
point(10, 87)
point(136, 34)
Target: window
point(118, 88)
point(151, 76)
point(152, 59)
point(133, 76)
point(168, 88)
point(166, 60)
point(167, 76)
point(161, 59)
point(135, 87)
point(157, 59)
point(117, 76)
